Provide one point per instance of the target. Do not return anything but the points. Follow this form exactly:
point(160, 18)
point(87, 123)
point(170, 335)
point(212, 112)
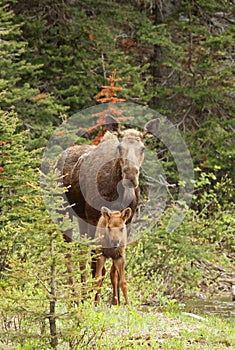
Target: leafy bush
point(166, 263)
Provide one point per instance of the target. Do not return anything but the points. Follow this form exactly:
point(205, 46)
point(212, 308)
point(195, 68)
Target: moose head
point(130, 149)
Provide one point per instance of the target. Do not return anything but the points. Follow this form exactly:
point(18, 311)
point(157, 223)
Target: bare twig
point(103, 65)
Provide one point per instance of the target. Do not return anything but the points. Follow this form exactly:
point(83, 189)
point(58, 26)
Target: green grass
point(129, 328)
point(161, 326)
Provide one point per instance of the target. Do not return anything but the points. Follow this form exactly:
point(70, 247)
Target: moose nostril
point(115, 244)
point(133, 169)
point(125, 169)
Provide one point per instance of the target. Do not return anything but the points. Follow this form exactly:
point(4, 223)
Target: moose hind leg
point(83, 228)
point(91, 234)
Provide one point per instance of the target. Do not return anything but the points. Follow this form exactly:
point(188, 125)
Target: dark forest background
point(176, 57)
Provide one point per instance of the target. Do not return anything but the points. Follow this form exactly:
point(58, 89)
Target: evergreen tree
point(32, 252)
point(34, 287)
point(192, 74)
point(80, 44)
point(177, 57)
point(19, 85)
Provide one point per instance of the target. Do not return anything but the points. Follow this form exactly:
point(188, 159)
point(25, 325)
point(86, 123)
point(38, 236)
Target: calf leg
point(100, 261)
point(120, 268)
point(114, 277)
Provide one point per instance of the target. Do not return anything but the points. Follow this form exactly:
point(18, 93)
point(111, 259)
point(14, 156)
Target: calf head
point(114, 226)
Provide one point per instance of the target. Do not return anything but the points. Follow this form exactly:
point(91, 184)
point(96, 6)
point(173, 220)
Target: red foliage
point(107, 94)
point(39, 97)
point(202, 164)
point(98, 137)
point(91, 36)
point(126, 43)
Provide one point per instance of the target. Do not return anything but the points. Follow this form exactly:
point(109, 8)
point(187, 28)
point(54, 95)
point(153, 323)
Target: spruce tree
point(19, 86)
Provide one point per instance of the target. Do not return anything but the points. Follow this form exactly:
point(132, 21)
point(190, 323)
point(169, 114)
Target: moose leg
point(120, 267)
point(70, 270)
point(92, 229)
point(114, 280)
point(118, 289)
point(100, 261)
point(68, 237)
point(93, 263)
point(83, 228)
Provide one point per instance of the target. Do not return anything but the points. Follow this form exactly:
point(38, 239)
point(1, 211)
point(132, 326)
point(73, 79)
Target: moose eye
point(142, 149)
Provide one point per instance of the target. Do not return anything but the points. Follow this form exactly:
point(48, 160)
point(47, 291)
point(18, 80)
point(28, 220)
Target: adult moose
point(104, 175)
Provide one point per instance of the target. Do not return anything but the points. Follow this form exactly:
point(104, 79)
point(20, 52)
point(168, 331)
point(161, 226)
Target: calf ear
point(111, 123)
point(126, 214)
point(151, 128)
point(105, 212)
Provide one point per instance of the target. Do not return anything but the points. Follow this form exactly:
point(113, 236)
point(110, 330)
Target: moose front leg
point(114, 277)
point(120, 268)
point(114, 280)
point(100, 261)
point(83, 228)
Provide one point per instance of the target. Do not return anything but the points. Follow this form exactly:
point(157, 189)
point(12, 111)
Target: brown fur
point(103, 175)
point(69, 164)
point(111, 235)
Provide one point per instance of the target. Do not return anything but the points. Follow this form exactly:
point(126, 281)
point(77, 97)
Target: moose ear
point(126, 214)
point(111, 123)
point(105, 212)
point(151, 127)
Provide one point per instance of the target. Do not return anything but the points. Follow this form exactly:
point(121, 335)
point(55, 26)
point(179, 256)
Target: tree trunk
point(52, 316)
point(160, 11)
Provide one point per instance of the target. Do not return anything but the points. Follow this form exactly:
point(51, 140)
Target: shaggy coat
point(104, 175)
point(111, 235)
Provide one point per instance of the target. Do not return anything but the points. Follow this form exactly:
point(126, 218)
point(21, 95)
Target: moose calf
point(111, 235)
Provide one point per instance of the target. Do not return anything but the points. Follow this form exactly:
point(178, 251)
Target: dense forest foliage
point(176, 57)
